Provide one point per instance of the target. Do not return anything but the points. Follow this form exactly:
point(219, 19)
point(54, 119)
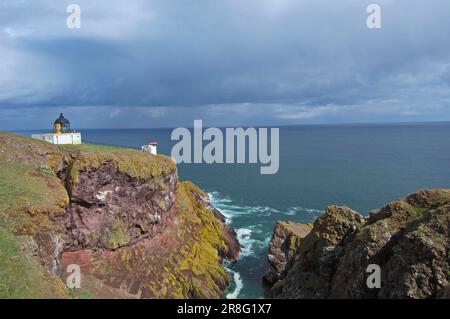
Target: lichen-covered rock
point(110, 209)
point(182, 261)
point(120, 214)
point(283, 247)
point(310, 276)
point(409, 239)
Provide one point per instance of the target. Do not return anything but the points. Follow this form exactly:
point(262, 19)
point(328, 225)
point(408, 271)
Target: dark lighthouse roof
point(65, 124)
point(62, 120)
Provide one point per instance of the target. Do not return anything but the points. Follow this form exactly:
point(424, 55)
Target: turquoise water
point(361, 166)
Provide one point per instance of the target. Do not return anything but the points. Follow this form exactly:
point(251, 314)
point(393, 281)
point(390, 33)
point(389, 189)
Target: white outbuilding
point(150, 148)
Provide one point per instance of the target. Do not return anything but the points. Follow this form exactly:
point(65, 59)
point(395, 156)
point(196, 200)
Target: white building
point(150, 148)
point(61, 133)
point(63, 138)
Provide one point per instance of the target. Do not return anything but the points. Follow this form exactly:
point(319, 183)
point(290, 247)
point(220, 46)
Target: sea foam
point(239, 285)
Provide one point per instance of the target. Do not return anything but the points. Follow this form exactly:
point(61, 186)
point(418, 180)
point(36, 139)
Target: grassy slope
point(28, 188)
point(25, 191)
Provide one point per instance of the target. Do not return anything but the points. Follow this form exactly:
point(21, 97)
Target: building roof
point(62, 120)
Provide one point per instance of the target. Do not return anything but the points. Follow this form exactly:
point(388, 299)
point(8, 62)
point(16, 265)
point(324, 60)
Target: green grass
point(420, 211)
point(80, 294)
point(46, 170)
point(20, 277)
point(14, 275)
point(93, 148)
point(22, 186)
point(17, 186)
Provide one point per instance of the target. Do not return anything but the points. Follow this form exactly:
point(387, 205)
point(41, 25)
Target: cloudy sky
point(164, 63)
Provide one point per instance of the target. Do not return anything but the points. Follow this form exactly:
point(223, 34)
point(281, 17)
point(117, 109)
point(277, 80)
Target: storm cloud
point(164, 63)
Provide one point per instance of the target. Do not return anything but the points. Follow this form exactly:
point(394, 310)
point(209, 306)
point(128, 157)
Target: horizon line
point(257, 126)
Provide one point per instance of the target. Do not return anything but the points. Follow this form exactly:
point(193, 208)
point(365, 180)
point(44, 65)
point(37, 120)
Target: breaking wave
point(253, 226)
point(238, 283)
point(230, 210)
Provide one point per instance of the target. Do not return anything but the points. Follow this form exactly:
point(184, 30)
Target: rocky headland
point(409, 239)
point(120, 214)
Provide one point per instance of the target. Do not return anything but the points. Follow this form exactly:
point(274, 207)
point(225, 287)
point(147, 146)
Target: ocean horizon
point(36, 130)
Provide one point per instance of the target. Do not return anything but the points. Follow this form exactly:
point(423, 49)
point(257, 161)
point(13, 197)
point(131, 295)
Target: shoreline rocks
point(409, 239)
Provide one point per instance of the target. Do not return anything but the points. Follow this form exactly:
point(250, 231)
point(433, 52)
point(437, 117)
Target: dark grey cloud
point(228, 61)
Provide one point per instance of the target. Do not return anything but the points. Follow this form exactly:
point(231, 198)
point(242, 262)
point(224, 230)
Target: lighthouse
point(61, 133)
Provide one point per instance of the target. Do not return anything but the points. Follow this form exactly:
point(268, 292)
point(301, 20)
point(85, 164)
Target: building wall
point(66, 138)
point(150, 149)
point(43, 137)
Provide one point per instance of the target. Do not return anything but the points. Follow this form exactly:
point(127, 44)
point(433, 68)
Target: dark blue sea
point(360, 166)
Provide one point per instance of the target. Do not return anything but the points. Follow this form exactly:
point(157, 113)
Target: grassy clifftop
point(17, 149)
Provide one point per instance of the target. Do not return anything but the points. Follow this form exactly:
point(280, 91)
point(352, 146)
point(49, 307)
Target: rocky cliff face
point(286, 239)
point(409, 239)
point(121, 215)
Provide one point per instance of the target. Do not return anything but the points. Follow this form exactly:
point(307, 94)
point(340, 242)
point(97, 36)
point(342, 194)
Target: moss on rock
point(118, 236)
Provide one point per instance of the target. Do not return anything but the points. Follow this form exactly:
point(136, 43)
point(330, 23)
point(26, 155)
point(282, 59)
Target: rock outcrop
point(286, 239)
point(408, 239)
point(121, 215)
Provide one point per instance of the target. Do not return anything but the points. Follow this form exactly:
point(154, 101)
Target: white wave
point(230, 209)
point(244, 237)
point(301, 210)
point(256, 229)
point(239, 285)
point(250, 245)
point(244, 232)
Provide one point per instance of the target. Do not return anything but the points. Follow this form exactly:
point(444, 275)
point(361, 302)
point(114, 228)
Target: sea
point(362, 166)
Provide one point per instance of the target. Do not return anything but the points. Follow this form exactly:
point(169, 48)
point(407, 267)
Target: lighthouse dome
point(62, 123)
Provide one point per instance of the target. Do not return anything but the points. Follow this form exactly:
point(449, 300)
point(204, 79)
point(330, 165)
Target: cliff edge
point(409, 239)
point(121, 215)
